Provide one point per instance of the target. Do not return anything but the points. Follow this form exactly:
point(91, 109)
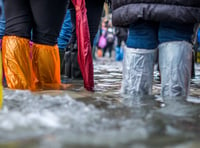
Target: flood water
point(105, 118)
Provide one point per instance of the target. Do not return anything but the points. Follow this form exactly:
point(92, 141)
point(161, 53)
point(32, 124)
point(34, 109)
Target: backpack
point(110, 36)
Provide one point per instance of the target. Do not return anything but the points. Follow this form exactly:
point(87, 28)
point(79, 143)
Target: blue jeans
point(66, 31)
point(2, 20)
point(149, 34)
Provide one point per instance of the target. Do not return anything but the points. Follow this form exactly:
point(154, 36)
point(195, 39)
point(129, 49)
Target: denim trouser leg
point(2, 28)
point(147, 34)
point(2, 19)
point(175, 58)
point(139, 59)
point(169, 32)
point(143, 34)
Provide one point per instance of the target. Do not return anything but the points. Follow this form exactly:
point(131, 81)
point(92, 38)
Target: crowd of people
point(148, 28)
point(109, 38)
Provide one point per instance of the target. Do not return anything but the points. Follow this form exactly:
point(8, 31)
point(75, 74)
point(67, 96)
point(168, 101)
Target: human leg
point(46, 28)
point(15, 45)
point(94, 12)
point(110, 48)
point(138, 59)
point(64, 38)
point(104, 50)
point(175, 58)
point(118, 56)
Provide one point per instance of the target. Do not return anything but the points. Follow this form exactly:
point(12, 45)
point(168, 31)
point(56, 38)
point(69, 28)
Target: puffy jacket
point(126, 12)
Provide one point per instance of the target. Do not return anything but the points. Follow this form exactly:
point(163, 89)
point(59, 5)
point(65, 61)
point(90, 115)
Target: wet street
point(77, 118)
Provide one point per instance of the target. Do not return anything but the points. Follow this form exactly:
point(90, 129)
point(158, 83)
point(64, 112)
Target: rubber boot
point(193, 65)
point(67, 64)
point(62, 61)
point(175, 60)
point(117, 54)
point(138, 71)
point(75, 69)
point(17, 62)
point(46, 66)
point(121, 53)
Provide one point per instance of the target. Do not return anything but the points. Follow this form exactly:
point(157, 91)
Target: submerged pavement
point(105, 118)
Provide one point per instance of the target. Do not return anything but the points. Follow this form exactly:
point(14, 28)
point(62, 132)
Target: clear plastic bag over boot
point(138, 71)
point(175, 60)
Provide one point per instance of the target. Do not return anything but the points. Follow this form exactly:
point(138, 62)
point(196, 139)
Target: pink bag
point(102, 42)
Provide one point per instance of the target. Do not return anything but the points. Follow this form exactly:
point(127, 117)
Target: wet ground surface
point(105, 118)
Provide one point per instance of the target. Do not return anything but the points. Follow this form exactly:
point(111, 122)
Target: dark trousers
point(108, 47)
point(40, 20)
point(94, 12)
